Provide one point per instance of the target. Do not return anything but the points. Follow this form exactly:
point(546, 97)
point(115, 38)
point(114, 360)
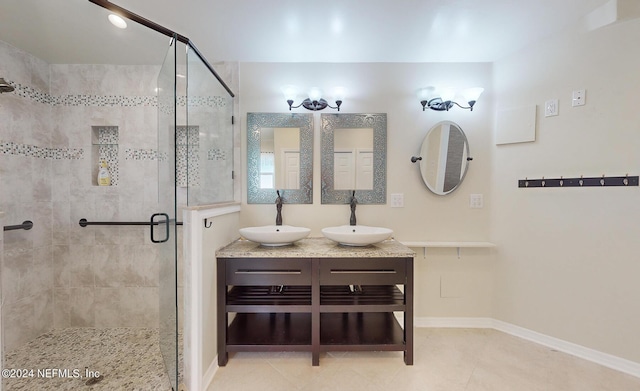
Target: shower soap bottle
point(104, 177)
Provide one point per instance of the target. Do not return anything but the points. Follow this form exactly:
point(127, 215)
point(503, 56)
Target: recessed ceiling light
point(117, 21)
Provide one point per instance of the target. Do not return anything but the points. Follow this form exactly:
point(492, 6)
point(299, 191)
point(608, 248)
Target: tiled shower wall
point(59, 274)
point(27, 159)
point(105, 276)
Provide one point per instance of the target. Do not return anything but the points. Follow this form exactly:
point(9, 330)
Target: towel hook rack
point(582, 181)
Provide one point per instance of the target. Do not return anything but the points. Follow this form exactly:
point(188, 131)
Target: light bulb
point(315, 94)
point(448, 94)
point(290, 92)
point(472, 94)
point(339, 93)
point(117, 21)
point(426, 93)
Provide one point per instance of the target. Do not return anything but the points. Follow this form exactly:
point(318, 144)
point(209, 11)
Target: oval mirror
point(445, 157)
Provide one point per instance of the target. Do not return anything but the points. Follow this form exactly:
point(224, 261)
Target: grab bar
point(26, 225)
point(84, 223)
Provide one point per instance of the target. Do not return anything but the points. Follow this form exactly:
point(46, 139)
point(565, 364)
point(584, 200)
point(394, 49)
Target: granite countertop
point(315, 248)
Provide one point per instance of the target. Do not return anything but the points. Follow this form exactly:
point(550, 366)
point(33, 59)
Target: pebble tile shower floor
point(126, 358)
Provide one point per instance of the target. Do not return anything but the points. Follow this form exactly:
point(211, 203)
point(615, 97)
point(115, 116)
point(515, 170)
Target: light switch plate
point(397, 200)
point(551, 108)
point(476, 201)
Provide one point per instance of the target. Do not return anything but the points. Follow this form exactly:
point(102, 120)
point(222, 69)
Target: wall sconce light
point(443, 100)
point(314, 102)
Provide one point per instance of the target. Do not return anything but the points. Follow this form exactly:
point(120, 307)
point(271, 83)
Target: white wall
point(391, 88)
point(567, 264)
point(224, 230)
point(200, 307)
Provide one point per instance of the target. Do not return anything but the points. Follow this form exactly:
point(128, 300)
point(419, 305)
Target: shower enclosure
point(95, 286)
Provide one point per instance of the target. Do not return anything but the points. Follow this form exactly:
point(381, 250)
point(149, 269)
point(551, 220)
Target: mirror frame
point(424, 160)
point(256, 121)
point(332, 122)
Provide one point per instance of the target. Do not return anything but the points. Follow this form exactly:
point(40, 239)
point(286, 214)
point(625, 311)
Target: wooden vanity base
point(306, 304)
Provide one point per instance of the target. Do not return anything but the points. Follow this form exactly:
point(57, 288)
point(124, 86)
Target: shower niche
point(104, 147)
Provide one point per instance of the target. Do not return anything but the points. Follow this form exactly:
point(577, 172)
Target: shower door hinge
point(233, 122)
point(233, 174)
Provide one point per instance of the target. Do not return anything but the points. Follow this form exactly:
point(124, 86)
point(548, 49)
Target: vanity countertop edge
point(315, 248)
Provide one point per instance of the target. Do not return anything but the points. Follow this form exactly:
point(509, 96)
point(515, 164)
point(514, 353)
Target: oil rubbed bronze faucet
point(353, 201)
point(279, 208)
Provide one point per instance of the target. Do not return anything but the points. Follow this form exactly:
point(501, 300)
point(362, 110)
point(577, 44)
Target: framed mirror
point(279, 157)
point(445, 157)
point(354, 157)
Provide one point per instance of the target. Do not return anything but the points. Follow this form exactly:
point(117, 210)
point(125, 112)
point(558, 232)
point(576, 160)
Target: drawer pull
point(363, 271)
point(269, 272)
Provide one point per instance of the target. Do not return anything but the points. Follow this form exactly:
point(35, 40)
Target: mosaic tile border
point(108, 135)
point(104, 100)
point(216, 154)
point(16, 149)
point(144, 154)
point(202, 101)
point(39, 96)
point(30, 93)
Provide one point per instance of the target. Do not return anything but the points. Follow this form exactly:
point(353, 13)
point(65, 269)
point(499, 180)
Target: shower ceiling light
point(117, 21)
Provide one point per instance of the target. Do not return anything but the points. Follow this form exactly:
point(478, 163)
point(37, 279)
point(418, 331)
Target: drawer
point(251, 271)
point(363, 271)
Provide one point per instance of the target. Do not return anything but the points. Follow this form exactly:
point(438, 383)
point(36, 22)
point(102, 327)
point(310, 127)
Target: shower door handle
point(155, 223)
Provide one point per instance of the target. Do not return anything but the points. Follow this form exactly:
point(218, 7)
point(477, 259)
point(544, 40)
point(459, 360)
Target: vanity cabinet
point(315, 296)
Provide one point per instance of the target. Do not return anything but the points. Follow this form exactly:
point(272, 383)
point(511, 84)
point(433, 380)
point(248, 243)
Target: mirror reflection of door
point(344, 170)
point(279, 158)
point(290, 178)
point(353, 159)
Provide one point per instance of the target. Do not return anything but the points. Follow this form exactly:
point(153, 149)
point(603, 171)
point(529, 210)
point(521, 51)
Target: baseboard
point(207, 379)
point(466, 323)
point(607, 360)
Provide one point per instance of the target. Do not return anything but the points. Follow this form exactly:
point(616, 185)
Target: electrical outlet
point(551, 108)
point(397, 200)
point(476, 201)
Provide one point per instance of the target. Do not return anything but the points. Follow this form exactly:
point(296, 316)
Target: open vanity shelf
point(277, 300)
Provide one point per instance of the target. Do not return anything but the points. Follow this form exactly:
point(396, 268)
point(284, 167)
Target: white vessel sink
point(357, 235)
point(274, 235)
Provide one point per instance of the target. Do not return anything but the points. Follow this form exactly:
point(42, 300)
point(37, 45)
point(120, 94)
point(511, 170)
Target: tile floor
point(445, 359)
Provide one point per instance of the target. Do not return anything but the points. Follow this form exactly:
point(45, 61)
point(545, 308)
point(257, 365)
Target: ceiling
point(77, 31)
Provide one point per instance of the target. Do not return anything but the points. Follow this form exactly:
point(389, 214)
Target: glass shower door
point(163, 223)
point(209, 165)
